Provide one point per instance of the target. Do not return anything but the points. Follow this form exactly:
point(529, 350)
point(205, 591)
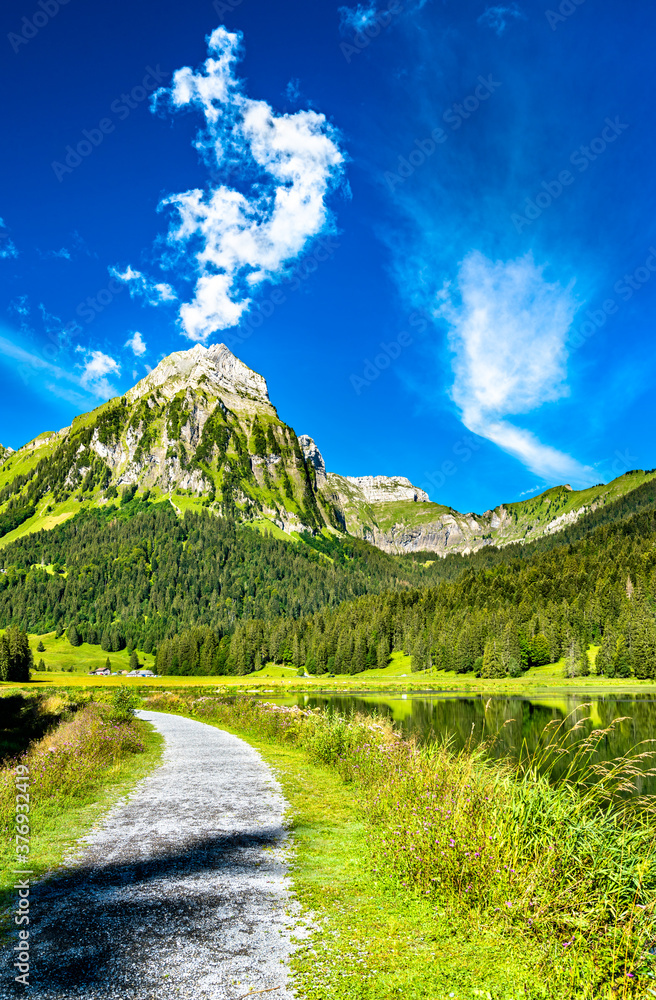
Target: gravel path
point(182, 892)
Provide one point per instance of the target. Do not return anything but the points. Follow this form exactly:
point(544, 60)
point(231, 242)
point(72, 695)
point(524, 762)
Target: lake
point(516, 720)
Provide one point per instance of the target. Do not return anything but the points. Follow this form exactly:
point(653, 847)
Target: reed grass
point(556, 846)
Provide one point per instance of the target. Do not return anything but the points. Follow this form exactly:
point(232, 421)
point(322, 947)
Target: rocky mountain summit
point(201, 431)
point(212, 368)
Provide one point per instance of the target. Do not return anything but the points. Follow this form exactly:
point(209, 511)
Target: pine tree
point(73, 635)
point(605, 662)
point(40, 648)
point(574, 660)
point(643, 651)
point(15, 655)
point(540, 650)
point(134, 660)
point(622, 658)
point(108, 664)
point(492, 660)
point(382, 652)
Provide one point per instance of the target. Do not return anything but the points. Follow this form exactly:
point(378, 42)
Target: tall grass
point(71, 761)
point(571, 862)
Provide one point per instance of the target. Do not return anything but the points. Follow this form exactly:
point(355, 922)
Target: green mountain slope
point(201, 431)
point(200, 426)
point(142, 571)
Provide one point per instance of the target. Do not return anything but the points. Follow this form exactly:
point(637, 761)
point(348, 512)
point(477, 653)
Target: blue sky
point(430, 225)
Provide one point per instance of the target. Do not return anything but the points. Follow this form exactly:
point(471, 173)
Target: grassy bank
point(69, 666)
point(89, 757)
point(438, 874)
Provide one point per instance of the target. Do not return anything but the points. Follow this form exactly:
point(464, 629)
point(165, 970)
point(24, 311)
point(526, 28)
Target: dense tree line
point(490, 621)
point(15, 656)
point(11, 519)
point(135, 574)
point(213, 596)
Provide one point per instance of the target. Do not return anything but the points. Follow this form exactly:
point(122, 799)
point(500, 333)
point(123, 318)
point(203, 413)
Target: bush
point(123, 703)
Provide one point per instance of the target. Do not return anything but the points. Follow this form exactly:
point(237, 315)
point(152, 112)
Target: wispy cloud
point(508, 333)
point(140, 286)
point(94, 371)
point(239, 238)
point(498, 17)
point(533, 489)
point(7, 246)
point(293, 91)
point(61, 254)
point(136, 344)
point(353, 20)
point(78, 384)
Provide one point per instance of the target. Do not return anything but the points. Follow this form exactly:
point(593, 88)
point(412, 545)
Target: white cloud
point(7, 246)
point(140, 286)
point(498, 17)
point(20, 306)
point(287, 165)
point(62, 254)
point(508, 332)
point(293, 91)
point(136, 344)
point(353, 20)
point(96, 366)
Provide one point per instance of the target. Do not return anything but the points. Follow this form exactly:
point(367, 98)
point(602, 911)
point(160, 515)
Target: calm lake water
point(517, 720)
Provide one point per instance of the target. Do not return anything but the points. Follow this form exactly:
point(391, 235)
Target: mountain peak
point(383, 489)
point(215, 366)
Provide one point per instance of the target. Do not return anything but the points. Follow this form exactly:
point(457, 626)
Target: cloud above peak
point(97, 366)
point(137, 345)
point(508, 329)
point(238, 237)
point(154, 293)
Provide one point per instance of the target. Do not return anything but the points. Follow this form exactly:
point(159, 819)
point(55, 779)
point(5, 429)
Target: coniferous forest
point(213, 597)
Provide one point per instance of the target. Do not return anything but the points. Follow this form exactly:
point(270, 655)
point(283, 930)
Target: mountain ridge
point(200, 429)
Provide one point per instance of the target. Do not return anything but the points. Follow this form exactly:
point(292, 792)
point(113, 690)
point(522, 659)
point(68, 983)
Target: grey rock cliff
point(314, 458)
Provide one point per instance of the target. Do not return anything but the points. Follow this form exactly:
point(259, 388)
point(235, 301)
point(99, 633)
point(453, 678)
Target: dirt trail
point(182, 891)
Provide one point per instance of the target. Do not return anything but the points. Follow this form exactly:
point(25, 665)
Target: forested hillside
point(214, 596)
point(135, 574)
point(520, 612)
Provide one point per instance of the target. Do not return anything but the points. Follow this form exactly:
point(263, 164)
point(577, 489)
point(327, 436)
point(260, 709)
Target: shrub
point(123, 703)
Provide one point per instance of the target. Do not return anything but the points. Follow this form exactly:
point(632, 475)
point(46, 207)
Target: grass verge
point(77, 772)
point(530, 892)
